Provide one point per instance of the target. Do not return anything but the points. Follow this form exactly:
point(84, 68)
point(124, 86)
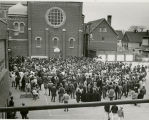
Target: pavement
point(131, 112)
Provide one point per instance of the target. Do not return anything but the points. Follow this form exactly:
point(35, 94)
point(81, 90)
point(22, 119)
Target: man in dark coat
point(17, 79)
point(107, 110)
point(11, 115)
point(24, 112)
point(114, 110)
point(53, 92)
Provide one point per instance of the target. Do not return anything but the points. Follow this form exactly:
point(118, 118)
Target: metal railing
point(78, 105)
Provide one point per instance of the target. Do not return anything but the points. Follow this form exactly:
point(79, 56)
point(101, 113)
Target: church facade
point(46, 29)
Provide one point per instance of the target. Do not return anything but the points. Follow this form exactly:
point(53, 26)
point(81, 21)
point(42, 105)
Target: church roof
point(17, 9)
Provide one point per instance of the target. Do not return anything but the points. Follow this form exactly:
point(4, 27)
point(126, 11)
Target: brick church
point(46, 29)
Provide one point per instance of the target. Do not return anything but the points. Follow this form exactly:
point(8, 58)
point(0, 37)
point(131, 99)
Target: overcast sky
point(123, 14)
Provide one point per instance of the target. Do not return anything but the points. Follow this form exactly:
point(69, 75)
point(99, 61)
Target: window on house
point(55, 17)
point(16, 26)
point(38, 42)
point(55, 42)
point(145, 41)
point(100, 29)
point(22, 27)
point(103, 29)
point(71, 42)
point(103, 38)
point(91, 36)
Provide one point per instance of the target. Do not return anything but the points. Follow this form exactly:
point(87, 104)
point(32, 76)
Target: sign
point(120, 57)
point(129, 58)
point(111, 57)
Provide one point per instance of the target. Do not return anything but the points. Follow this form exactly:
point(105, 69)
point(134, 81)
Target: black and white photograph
point(74, 59)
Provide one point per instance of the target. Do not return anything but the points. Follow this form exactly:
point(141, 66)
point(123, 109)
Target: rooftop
point(17, 9)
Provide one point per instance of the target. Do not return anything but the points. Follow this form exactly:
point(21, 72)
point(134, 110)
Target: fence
point(116, 57)
point(89, 104)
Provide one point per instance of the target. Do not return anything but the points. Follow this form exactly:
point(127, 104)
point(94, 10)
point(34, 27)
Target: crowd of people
point(84, 79)
point(80, 78)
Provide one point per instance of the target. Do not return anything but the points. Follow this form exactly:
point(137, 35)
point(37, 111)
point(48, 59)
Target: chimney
point(109, 18)
point(135, 31)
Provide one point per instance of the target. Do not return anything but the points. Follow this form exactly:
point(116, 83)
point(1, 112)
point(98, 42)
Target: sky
point(125, 13)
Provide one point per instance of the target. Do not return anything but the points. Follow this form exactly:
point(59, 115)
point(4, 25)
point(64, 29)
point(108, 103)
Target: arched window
point(22, 27)
point(55, 42)
point(71, 42)
point(16, 25)
point(16, 28)
point(38, 42)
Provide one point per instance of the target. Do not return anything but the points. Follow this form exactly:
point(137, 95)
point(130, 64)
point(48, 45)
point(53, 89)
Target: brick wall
point(4, 87)
point(72, 25)
point(18, 43)
point(19, 48)
point(3, 31)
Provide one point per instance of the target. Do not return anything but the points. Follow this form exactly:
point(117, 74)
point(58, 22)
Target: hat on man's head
point(11, 97)
point(23, 104)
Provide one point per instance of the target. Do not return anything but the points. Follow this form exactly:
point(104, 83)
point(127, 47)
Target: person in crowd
point(124, 92)
point(66, 100)
point(35, 93)
point(11, 115)
point(116, 91)
point(17, 80)
point(72, 91)
point(24, 112)
point(39, 81)
point(107, 112)
point(143, 91)
point(111, 93)
point(53, 92)
point(23, 83)
point(50, 85)
point(78, 95)
point(27, 87)
point(12, 77)
point(114, 110)
point(134, 96)
point(120, 113)
point(104, 91)
point(46, 88)
point(61, 92)
point(120, 89)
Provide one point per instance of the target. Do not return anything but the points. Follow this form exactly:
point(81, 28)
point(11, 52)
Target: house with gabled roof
point(103, 38)
point(137, 42)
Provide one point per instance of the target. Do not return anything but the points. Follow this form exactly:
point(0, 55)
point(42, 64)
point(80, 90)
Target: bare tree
point(137, 28)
